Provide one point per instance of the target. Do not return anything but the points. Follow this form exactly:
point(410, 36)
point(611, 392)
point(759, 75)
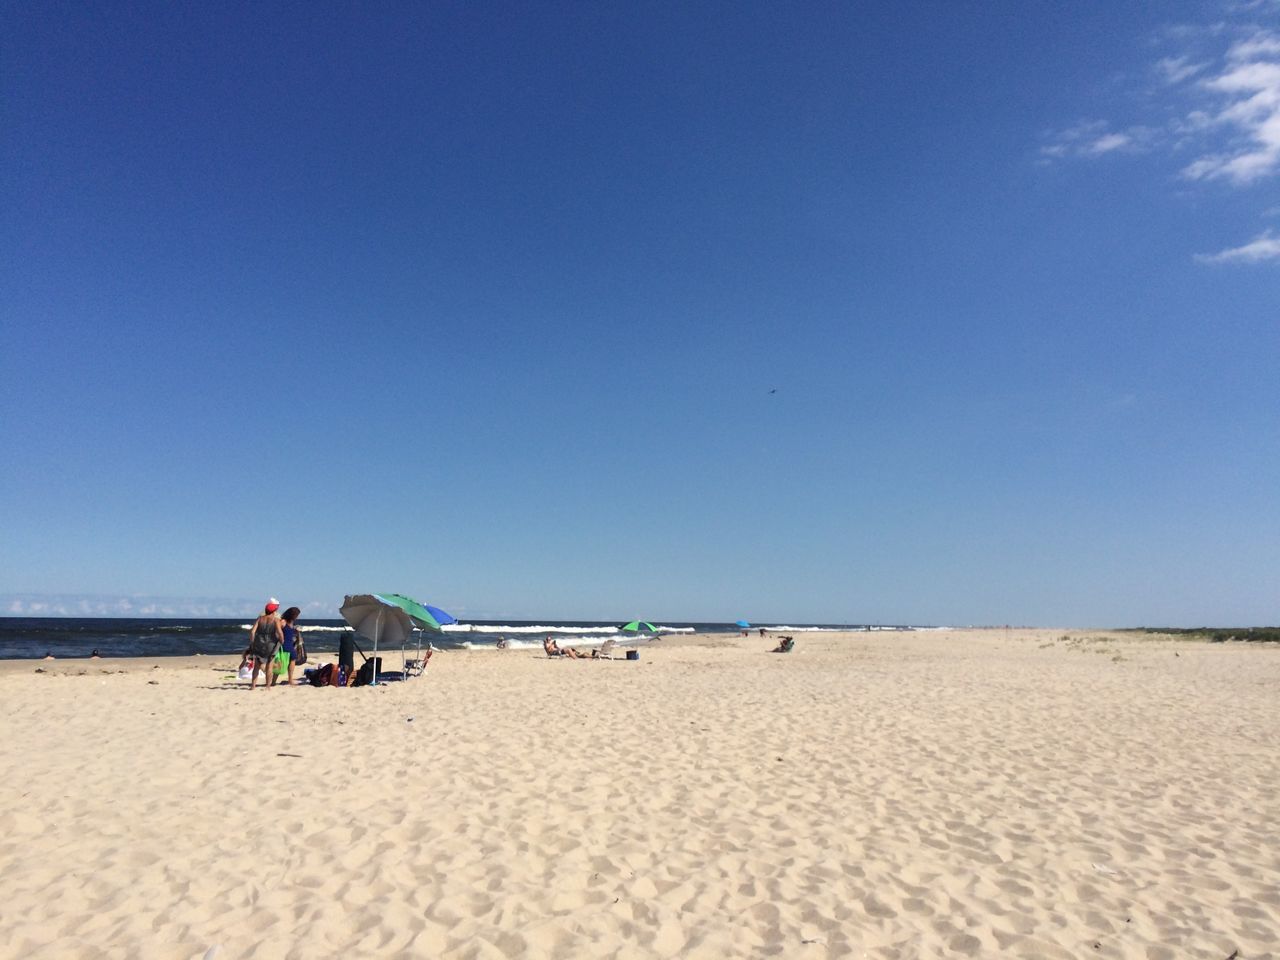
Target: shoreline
point(320, 653)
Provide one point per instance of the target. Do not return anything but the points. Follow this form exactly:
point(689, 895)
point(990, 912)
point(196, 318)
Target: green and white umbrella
point(636, 627)
point(386, 617)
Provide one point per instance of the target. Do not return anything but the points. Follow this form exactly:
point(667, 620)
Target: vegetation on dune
point(1217, 634)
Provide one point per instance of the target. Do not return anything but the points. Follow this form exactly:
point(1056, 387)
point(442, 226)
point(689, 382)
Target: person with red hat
point(265, 638)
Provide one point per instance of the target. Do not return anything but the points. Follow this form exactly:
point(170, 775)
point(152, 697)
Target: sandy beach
point(1046, 793)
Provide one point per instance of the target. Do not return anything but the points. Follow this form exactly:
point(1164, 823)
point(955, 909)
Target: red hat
point(273, 605)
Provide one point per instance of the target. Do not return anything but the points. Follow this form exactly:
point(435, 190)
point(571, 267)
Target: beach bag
point(245, 672)
point(299, 652)
point(368, 670)
point(281, 663)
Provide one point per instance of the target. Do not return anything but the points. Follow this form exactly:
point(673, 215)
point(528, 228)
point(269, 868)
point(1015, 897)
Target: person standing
point(291, 638)
point(265, 637)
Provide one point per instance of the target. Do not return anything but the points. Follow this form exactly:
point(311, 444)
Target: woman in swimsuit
point(264, 637)
point(555, 650)
point(291, 638)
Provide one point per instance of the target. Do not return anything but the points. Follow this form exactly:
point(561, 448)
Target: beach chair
point(416, 668)
point(606, 649)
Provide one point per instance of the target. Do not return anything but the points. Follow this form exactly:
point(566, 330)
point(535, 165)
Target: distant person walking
point(291, 638)
point(265, 637)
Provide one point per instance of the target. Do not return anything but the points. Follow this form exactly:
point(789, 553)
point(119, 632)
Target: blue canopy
point(741, 623)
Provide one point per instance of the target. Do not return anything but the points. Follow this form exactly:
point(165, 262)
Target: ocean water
point(33, 638)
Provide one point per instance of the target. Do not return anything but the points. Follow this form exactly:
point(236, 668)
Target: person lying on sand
point(554, 649)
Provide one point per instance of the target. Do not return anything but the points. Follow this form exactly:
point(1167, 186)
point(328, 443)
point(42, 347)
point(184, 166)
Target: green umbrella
point(637, 626)
point(420, 615)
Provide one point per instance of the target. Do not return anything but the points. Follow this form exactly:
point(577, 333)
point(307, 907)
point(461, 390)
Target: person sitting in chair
point(784, 645)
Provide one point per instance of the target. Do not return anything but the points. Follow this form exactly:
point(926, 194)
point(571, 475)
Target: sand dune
point(871, 795)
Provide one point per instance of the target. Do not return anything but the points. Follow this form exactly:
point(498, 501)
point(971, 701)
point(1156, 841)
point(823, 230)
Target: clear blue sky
point(487, 303)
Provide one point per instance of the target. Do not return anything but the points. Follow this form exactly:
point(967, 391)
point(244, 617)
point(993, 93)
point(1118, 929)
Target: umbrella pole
point(377, 629)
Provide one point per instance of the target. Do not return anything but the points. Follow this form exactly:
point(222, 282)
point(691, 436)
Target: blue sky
point(487, 304)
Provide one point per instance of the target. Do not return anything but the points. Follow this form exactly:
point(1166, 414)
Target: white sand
point(870, 795)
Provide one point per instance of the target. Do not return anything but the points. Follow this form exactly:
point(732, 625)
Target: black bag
point(299, 652)
point(368, 670)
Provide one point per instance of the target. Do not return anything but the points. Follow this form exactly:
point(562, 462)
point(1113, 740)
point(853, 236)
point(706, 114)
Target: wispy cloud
point(1221, 98)
point(1266, 246)
point(1093, 138)
point(1174, 70)
point(1247, 111)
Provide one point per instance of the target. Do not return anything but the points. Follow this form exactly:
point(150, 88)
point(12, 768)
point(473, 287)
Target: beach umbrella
point(423, 617)
point(743, 624)
point(442, 618)
point(638, 626)
point(386, 617)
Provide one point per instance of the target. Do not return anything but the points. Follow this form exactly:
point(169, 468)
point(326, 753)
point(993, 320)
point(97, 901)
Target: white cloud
point(1264, 247)
point(1092, 138)
point(1248, 113)
point(1220, 99)
point(1109, 142)
point(1233, 111)
point(1261, 44)
point(87, 605)
point(1176, 69)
